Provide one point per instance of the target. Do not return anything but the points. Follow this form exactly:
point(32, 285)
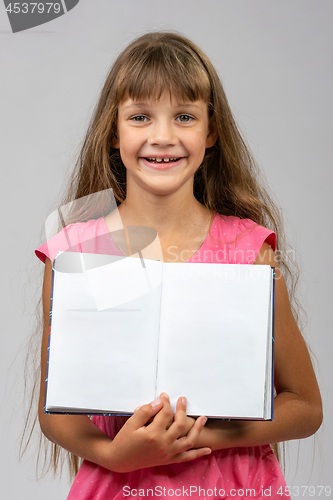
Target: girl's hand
point(137, 446)
point(190, 421)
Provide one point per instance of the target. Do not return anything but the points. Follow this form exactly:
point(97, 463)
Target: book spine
point(273, 340)
point(49, 340)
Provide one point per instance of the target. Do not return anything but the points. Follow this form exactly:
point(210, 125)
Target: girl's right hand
point(137, 446)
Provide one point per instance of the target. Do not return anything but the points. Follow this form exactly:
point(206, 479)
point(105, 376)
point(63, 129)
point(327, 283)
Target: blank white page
point(213, 338)
point(101, 360)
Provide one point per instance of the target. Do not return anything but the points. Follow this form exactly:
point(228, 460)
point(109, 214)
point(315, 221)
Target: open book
point(123, 330)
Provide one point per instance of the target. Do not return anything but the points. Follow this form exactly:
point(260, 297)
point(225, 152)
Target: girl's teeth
point(161, 160)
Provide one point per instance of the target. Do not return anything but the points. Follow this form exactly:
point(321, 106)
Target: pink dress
point(235, 472)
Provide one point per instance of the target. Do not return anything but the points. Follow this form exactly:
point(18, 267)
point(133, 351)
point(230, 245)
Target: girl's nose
point(162, 134)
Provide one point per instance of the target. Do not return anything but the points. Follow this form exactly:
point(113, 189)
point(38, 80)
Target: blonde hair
point(227, 182)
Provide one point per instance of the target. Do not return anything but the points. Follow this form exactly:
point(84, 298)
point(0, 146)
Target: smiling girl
point(164, 140)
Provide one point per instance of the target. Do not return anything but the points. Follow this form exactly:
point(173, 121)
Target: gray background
point(275, 59)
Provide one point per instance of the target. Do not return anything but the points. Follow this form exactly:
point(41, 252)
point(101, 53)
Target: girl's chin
point(161, 185)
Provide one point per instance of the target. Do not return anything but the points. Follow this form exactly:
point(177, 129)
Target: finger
point(196, 428)
point(180, 419)
point(187, 442)
point(181, 404)
point(164, 397)
point(164, 418)
point(143, 413)
point(199, 423)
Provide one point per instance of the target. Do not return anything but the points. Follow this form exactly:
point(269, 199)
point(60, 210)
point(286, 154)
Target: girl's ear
point(212, 134)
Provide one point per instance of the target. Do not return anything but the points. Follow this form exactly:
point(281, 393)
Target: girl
point(164, 139)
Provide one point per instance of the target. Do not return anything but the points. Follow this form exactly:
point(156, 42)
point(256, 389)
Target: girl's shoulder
point(240, 239)
point(234, 229)
point(79, 237)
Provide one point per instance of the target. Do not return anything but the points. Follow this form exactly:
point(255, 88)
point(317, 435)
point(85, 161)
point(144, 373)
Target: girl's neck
point(168, 215)
point(182, 224)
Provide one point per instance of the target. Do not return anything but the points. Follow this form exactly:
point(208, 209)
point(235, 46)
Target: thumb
point(143, 413)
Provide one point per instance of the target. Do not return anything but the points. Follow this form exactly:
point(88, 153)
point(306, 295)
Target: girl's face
point(162, 142)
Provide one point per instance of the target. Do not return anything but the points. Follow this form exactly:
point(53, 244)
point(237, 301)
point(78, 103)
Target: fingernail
point(184, 401)
point(164, 394)
point(155, 403)
point(204, 420)
point(208, 452)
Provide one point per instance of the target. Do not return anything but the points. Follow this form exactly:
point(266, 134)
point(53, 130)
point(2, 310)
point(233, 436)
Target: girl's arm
point(297, 406)
point(137, 445)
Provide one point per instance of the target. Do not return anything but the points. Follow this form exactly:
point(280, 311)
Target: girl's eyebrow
point(136, 105)
point(187, 105)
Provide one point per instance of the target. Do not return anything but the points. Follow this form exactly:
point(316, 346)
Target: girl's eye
point(185, 118)
point(139, 118)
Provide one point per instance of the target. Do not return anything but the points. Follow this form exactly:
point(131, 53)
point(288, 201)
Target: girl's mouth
point(162, 160)
point(161, 163)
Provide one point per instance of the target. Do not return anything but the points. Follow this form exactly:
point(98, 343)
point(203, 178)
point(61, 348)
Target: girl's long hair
point(227, 182)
